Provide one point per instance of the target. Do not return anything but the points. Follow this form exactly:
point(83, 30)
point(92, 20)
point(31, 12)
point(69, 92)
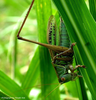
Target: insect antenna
point(52, 91)
point(35, 86)
point(22, 89)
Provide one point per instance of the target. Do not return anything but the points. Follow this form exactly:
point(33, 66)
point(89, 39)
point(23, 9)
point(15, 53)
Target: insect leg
point(77, 77)
point(25, 19)
point(64, 52)
point(73, 69)
point(76, 73)
point(79, 66)
point(73, 44)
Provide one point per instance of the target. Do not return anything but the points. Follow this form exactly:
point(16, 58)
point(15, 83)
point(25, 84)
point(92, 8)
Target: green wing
point(52, 34)
point(64, 38)
point(52, 31)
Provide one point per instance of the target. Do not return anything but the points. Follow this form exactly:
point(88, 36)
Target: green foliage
point(81, 29)
point(3, 96)
point(9, 87)
point(48, 75)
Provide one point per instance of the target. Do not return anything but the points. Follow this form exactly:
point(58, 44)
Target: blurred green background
point(10, 16)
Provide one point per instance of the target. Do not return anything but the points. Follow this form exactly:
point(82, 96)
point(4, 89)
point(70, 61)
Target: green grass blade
point(9, 87)
point(81, 29)
point(48, 75)
point(92, 7)
point(4, 96)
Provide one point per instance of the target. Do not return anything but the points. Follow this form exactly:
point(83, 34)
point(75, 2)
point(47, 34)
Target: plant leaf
point(9, 87)
point(81, 29)
point(48, 75)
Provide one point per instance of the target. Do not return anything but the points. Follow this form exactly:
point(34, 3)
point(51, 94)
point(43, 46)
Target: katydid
point(61, 55)
point(62, 61)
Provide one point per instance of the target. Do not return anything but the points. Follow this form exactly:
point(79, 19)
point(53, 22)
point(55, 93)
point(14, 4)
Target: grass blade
point(92, 7)
point(48, 75)
point(4, 96)
point(81, 29)
point(9, 87)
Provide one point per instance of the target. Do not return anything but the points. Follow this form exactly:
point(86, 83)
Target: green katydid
point(62, 61)
point(62, 55)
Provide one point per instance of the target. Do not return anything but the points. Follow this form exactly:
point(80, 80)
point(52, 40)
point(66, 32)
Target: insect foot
point(73, 44)
point(79, 76)
point(83, 66)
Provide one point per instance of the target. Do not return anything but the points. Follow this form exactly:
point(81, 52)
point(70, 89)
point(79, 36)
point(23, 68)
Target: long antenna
point(52, 91)
point(35, 86)
point(25, 18)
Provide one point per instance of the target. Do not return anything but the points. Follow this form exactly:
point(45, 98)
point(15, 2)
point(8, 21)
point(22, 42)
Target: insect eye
point(62, 79)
